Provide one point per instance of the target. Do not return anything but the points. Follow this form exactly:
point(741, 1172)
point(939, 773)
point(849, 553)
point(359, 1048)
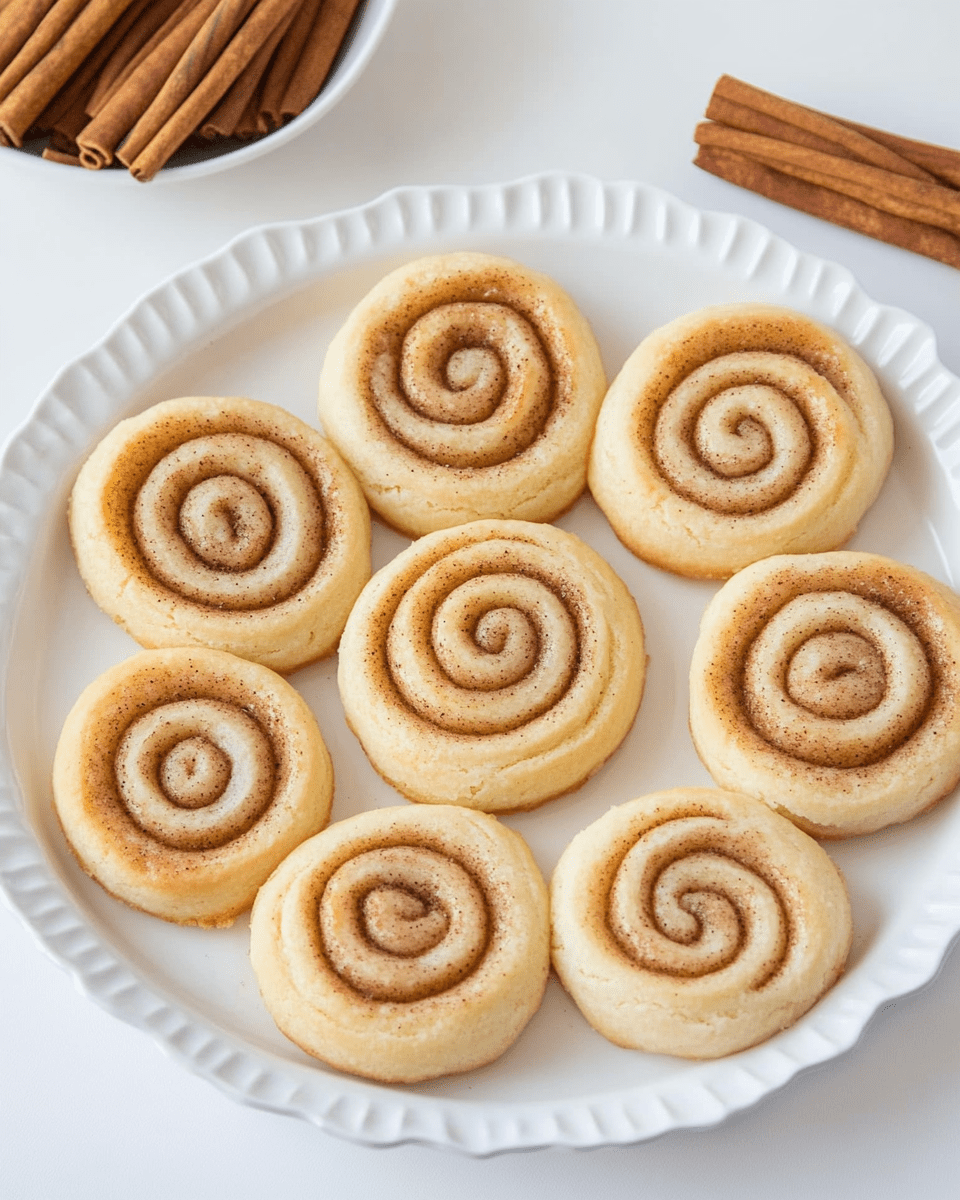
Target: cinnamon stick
point(246, 126)
point(201, 54)
point(61, 156)
point(832, 206)
point(227, 116)
point(18, 21)
point(914, 199)
point(936, 163)
point(27, 100)
point(99, 139)
point(938, 160)
point(277, 79)
point(39, 41)
point(313, 66)
point(66, 111)
point(249, 38)
point(153, 23)
point(846, 140)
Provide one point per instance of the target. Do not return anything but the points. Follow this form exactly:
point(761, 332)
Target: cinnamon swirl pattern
point(464, 386)
point(495, 665)
point(404, 943)
point(226, 523)
point(182, 777)
point(738, 432)
point(828, 685)
point(696, 922)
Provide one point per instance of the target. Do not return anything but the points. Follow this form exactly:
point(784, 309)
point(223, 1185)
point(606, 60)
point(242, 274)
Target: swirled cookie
point(404, 943)
point(464, 386)
point(738, 432)
point(495, 665)
point(182, 777)
point(222, 522)
point(828, 685)
point(696, 922)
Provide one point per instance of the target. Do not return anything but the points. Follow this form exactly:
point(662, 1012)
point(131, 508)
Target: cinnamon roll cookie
point(404, 943)
point(222, 522)
point(183, 776)
point(495, 665)
point(828, 685)
point(738, 432)
point(464, 386)
point(696, 922)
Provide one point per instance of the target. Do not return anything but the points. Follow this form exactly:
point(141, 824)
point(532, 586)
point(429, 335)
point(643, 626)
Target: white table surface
point(477, 93)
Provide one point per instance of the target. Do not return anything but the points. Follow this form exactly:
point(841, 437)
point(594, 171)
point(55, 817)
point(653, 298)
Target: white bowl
point(363, 37)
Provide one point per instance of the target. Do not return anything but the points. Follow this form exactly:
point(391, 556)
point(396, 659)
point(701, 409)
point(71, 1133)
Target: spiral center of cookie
point(402, 923)
point(733, 445)
point(836, 679)
point(482, 654)
point(837, 675)
point(505, 638)
point(194, 773)
point(472, 388)
point(477, 369)
point(678, 908)
point(734, 435)
point(230, 521)
point(226, 522)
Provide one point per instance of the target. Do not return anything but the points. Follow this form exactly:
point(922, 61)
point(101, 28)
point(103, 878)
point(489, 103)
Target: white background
point(477, 93)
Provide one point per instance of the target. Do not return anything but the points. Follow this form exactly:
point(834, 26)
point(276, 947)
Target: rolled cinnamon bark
point(313, 66)
point(213, 86)
point(198, 58)
point(61, 156)
point(831, 206)
point(741, 106)
point(152, 26)
point(913, 199)
point(938, 160)
point(277, 79)
point(36, 89)
point(66, 111)
point(100, 138)
point(226, 117)
point(39, 40)
point(18, 20)
point(850, 140)
point(246, 126)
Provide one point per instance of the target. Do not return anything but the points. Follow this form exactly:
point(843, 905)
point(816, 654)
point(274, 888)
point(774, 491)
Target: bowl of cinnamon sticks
point(170, 89)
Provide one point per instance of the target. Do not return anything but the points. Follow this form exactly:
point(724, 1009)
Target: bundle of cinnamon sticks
point(131, 81)
point(900, 191)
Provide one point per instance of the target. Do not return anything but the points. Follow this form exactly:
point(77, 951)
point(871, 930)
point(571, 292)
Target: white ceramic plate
point(255, 319)
point(361, 40)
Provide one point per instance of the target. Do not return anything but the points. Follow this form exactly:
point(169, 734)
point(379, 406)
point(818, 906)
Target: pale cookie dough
point(222, 522)
point(828, 685)
point(696, 922)
point(464, 386)
point(404, 943)
point(738, 432)
point(182, 777)
point(495, 665)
